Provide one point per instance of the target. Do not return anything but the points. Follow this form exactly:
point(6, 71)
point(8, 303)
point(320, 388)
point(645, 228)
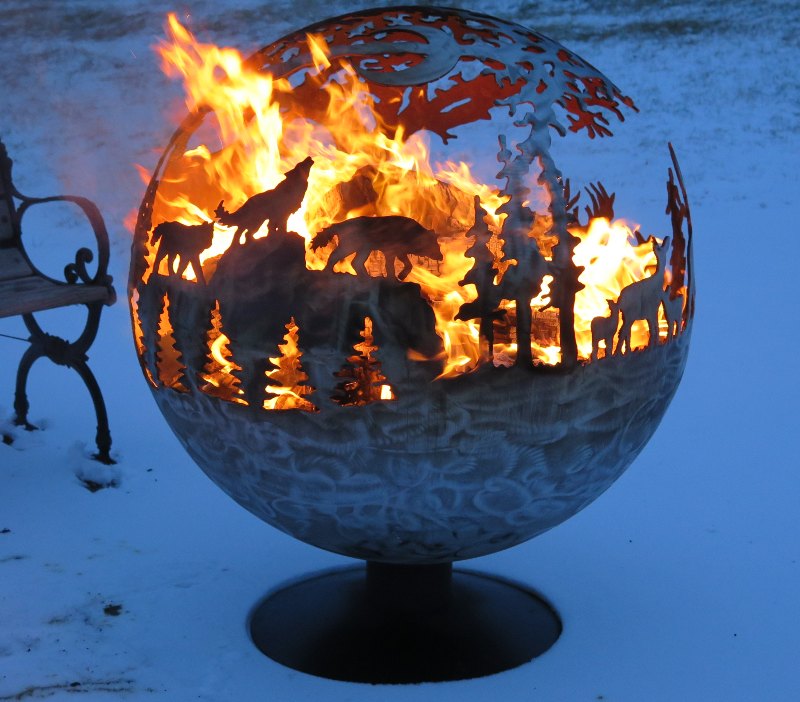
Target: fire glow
point(373, 304)
point(257, 142)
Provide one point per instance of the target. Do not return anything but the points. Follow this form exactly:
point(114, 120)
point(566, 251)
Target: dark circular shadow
point(403, 624)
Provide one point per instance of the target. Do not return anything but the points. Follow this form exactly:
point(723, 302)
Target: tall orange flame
point(262, 134)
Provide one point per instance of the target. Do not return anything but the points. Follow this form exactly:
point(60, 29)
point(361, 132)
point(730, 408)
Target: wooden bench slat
point(33, 294)
point(13, 264)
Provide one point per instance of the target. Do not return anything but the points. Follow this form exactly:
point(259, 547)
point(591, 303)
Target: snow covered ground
point(679, 584)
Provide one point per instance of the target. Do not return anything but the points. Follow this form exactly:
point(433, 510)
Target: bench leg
point(103, 436)
point(72, 355)
point(21, 404)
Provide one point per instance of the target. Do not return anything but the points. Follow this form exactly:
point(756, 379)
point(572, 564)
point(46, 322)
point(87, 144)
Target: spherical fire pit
point(377, 314)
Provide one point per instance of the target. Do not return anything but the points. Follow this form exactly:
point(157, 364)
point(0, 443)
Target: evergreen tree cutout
point(482, 276)
point(522, 282)
point(138, 338)
point(219, 371)
point(363, 381)
point(287, 389)
point(168, 359)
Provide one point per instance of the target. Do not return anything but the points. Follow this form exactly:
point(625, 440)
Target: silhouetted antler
point(602, 203)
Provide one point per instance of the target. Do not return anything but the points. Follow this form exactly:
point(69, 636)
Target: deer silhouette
point(275, 205)
point(673, 311)
point(604, 329)
point(641, 300)
point(185, 241)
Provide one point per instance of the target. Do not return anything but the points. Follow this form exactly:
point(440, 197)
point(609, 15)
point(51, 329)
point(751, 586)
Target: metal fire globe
point(372, 307)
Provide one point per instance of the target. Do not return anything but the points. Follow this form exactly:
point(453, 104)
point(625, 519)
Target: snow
point(680, 583)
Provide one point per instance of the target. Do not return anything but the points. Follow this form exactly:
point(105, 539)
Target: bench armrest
point(76, 271)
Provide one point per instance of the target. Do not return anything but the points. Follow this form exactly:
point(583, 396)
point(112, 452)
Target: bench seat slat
point(13, 264)
point(33, 294)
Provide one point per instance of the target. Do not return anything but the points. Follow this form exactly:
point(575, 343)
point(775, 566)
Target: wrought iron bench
point(25, 290)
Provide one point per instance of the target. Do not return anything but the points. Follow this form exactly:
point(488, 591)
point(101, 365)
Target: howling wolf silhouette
point(183, 240)
point(395, 236)
point(275, 205)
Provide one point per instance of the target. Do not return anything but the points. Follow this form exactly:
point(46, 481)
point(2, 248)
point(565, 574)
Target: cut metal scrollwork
point(74, 272)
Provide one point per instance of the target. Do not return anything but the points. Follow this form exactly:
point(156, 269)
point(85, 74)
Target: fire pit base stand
point(403, 624)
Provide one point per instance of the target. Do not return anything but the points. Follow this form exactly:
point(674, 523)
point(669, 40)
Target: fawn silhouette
point(185, 241)
point(395, 236)
point(641, 300)
point(604, 329)
point(275, 205)
point(673, 311)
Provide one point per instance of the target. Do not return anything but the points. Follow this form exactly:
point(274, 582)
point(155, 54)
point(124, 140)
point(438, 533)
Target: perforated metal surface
point(434, 469)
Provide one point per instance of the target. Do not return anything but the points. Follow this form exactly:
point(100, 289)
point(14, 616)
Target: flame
point(218, 374)
point(386, 392)
point(169, 362)
point(287, 390)
point(262, 134)
point(611, 262)
point(319, 51)
point(138, 337)
point(362, 379)
point(138, 332)
point(259, 144)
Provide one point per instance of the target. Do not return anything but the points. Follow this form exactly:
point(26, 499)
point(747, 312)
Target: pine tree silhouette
point(363, 381)
point(482, 276)
point(522, 282)
point(219, 370)
point(286, 389)
point(138, 338)
point(168, 358)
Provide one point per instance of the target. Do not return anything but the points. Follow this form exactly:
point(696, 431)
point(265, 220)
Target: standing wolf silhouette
point(395, 236)
point(275, 205)
point(185, 241)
